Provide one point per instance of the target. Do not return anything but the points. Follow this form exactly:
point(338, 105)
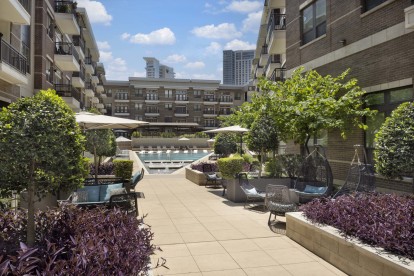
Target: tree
point(394, 150)
point(100, 142)
point(41, 149)
point(263, 137)
point(308, 103)
point(225, 144)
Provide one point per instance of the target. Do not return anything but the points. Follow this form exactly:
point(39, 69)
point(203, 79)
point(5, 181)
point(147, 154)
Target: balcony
point(13, 65)
point(103, 110)
point(181, 112)
point(409, 17)
point(279, 74)
point(209, 113)
point(89, 90)
point(152, 99)
point(95, 79)
point(259, 72)
point(225, 112)
point(66, 57)
point(89, 66)
point(103, 96)
point(121, 99)
point(264, 55)
point(65, 17)
point(273, 62)
point(78, 78)
point(210, 99)
point(100, 105)
point(70, 95)
point(100, 88)
point(152, 112)
point(79, 43)
point(276, 33)
point(181, 99)
point(123, 113)
point(16, 11)
point(226, 100)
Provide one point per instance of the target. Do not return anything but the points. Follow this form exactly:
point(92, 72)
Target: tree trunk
point(306, 144)
point(30, 231)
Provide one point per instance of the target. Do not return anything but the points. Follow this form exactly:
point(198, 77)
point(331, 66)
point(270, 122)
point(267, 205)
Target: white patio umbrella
point(122, 139)
point(233, 129)
point(184, 139)
point(89, 121)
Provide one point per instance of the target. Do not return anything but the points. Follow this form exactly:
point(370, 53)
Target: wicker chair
point(250, 191)
point(278, 201)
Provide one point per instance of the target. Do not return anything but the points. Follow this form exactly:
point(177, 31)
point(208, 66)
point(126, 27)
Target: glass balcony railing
point(67, 90)
point(66, 48)
point(277, 21)
point(279, 74)
point(12, 57)
point(25, 4)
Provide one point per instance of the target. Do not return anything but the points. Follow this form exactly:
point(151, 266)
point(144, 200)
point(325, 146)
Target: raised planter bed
point(195, 176)
point(349, 255)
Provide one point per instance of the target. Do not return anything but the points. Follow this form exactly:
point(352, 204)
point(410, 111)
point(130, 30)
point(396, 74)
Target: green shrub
point(225, 144)
point(291, 164)
point(136, 134)
point(230, 166)
point(200, 135)
point(123, 168)
point(273, 167)
point(168, 134)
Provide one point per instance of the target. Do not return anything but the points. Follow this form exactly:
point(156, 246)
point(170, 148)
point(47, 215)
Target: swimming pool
point(161, 162)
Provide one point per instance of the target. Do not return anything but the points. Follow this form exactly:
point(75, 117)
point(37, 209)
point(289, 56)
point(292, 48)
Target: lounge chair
point(278, 201)
point(250, 191)
point(211, 176)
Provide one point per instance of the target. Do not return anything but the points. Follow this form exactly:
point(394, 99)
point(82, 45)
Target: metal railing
point(181, 98)
point(88, 60)
point(210, 99)
point(279, 74)
point(152, 97)
point(65, 6)
point(226, 99)
point(277, 21)
point(25, 4)
point(80, 74)
point(66, 48)
point(152, 110)
point(79, 41)
point(209, 112)
point(180, 111)
point(67, 90)
point(88, 85)
point(12, 57)
point(272, 59)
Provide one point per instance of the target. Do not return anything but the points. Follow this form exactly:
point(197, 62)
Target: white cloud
point(105, 56)
point(214, 48)
point(103, 45)
point(252, 22)
point(237, 44)
point(204, 76)
point(244, 6)
point(125, 36)
point(139, 74)
point(96, 11)
point(175, 58)
point(195, 65)
point(222, 31)
point(162, 36)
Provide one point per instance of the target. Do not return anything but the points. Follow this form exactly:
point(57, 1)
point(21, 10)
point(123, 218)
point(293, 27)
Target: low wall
point(195, 176)
point(349, 255)
point(168, 142)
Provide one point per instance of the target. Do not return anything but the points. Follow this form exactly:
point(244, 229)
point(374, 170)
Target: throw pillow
point(80, 196)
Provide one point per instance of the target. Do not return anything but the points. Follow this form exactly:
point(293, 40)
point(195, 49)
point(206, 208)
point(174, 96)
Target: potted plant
point(229, 168)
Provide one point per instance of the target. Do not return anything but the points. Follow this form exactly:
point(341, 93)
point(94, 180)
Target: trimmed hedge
point(230, 166)
point(123, 169)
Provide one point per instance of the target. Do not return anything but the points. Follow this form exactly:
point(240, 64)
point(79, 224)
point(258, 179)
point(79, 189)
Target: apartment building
point(237, 66)
point(374, 38)
point(154, 69)
point(48, 44)
point(270, 54)
point(178, 105)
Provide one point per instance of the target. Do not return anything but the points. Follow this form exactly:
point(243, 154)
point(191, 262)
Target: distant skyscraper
point(156, 70)
point(237, 66)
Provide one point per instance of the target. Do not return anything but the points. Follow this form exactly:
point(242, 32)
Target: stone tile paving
point(202, 233)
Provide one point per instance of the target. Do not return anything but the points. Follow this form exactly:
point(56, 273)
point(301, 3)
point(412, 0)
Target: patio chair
point(250, 191)
point(211, 176)
point(278, 201)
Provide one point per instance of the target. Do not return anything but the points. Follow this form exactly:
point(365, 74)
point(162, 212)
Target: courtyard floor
point(202, 233)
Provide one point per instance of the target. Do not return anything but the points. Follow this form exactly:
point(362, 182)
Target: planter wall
point(195, 176)
point(350, 256)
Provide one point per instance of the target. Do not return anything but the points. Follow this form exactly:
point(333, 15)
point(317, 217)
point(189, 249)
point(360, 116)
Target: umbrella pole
point(96, 165)
point(241, 143)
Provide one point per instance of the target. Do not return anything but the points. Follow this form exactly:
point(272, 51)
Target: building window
point(121, 109)
point(168, 106)
point(197, 120)
point(370, 4)
point(385, 102)
point(138, 92)
point(50, 27)
point(197, 107)
point(313, 21)
point(168, 93)
point(138, 106)
point(168, 119)
point(197, 93)
point(121, 96)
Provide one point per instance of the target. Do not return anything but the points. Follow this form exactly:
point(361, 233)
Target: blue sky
point(189, 35)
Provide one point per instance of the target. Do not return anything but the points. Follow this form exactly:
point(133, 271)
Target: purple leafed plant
point(199, 166)
point(104, 169)
point(381, 220)
point(72, 241)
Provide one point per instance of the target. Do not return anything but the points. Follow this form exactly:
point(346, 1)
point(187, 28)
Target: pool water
point(166, 163)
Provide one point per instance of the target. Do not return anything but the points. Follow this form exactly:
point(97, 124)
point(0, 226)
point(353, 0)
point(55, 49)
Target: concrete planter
point(351, 256)
point(195, 176)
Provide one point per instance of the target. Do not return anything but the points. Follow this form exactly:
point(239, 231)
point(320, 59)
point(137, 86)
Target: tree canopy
point(41, 148)
point(394, 149)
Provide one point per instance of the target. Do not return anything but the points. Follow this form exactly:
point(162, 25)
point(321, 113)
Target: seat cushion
point(105, 192)
point(93, 192)
point(80, 196)
point(280, 207)
point(314, 189)
point(135, 178)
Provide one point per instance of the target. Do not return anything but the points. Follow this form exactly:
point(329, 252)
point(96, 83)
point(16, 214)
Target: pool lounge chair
point(250, 191)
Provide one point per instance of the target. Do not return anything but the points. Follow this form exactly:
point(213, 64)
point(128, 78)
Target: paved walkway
point(201, 233)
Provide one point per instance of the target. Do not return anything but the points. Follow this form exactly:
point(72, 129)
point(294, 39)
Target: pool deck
point(202, 233)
